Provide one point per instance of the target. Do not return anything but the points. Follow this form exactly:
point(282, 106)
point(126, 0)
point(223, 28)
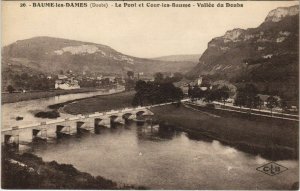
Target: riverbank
point(27, 171)
point(73, 108)
point(96, 103)
point(16, 97)
point(268, 138)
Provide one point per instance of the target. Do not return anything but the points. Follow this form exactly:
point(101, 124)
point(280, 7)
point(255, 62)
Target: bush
point(48, 114)
point(210, 106)
point(10, 89)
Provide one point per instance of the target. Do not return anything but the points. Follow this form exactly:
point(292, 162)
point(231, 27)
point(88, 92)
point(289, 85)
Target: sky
point(140, 32)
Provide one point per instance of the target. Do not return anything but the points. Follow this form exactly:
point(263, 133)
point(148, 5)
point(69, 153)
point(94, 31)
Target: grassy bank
point(16, 97)
point(98, 103)
point(28, 171)
point(269, 138)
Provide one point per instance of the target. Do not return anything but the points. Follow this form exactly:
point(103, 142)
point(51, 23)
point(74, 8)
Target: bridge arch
point(126, 115)
point(113, 117)
point(139, 113)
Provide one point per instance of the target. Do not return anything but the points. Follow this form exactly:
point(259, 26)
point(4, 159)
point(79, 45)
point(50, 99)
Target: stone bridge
point(78, 124)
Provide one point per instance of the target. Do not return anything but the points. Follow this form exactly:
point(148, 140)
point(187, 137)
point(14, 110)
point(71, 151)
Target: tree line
point(210, 94)
point(247, 96)
point(149, 93)
point(30, 82)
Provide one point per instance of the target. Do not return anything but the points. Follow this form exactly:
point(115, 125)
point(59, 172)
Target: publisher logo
point(272, 169)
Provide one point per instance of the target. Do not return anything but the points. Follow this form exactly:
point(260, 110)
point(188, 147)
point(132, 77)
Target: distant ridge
point(51, 54)
point(180, 57)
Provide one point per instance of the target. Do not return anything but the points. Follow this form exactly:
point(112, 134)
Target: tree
point(251, 92)
point(240, 99)
point(246, 96)
point(210, 96)
point(272, 102)
point(24, 76)
point(158, 77)
point(190, 90)
point(152, 93)
point(258, 102)
point(140, 85)
point(130, 74)
point(224, 93)
point(177, 77)
point(10, 89)
point(283, 104)
point(195, 93)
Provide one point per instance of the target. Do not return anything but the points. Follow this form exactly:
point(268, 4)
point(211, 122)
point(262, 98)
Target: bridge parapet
point(112, 112)
point(15, 128)
point(127, 109)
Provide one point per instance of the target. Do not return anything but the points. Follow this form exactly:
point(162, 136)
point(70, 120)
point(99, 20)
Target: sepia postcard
point(156, 95)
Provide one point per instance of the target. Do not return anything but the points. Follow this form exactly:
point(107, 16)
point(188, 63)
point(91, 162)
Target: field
point(16, 97)
point(270, 138)
point(100, 103)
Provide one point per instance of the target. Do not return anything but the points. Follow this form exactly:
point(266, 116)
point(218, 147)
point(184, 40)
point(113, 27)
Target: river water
point(157, 158)
point(165, 159)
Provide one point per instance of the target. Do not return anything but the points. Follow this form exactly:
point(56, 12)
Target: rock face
point(266, 55)
point(282, 12)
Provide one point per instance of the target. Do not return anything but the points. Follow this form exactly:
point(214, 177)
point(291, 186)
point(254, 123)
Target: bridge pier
point(97, 127)
point(79, 128)
point(112, 121)
point(39, 134)
point(126, 120)
point(59, 133)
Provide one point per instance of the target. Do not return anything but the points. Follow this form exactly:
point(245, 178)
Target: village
point(201, 90)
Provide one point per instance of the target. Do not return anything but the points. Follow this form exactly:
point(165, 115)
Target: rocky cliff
point(266, 55)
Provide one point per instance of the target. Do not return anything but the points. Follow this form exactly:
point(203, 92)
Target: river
point(165, 159)
point(157, 158)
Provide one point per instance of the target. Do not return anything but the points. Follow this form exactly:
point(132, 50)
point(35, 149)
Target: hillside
point(266, 56)
point(180, 58)
point(50, 55)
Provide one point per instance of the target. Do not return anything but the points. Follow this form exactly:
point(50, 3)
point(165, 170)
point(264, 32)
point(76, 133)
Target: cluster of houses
point(69, 82)
point(66, 83)
point(184, 84)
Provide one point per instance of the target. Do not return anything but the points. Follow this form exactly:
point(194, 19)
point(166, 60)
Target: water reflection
point(155, 132)
point(164, 158)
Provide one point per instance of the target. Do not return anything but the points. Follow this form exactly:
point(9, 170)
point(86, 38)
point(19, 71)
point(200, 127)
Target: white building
point(68, 84)
point(199, 81)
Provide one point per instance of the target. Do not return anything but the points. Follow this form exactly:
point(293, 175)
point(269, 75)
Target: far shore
point(17, 97)
point(122, 98)
point(97, 103)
